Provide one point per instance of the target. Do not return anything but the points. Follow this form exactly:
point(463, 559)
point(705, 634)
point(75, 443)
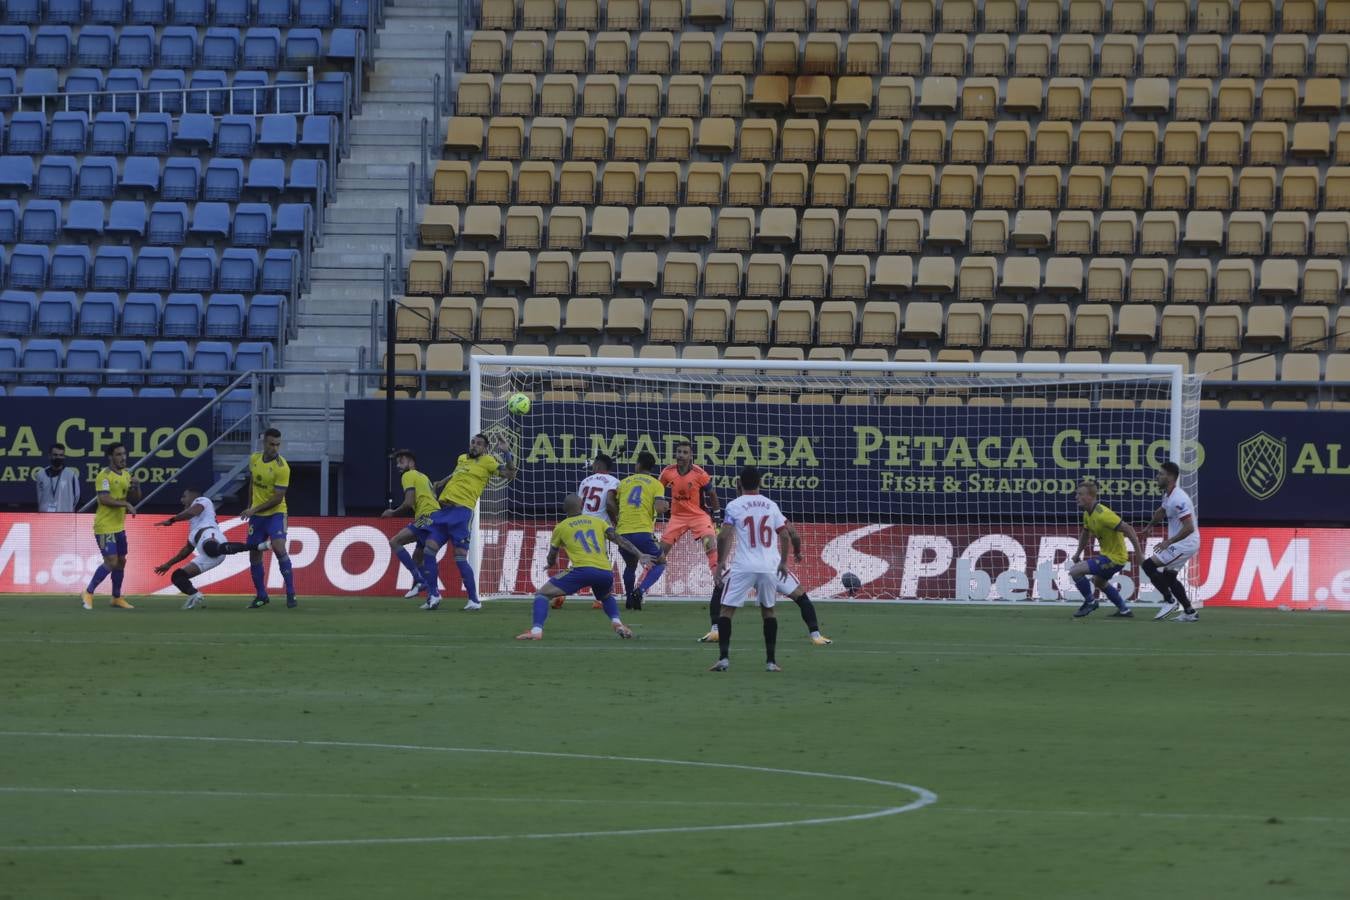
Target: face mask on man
point(58, 462)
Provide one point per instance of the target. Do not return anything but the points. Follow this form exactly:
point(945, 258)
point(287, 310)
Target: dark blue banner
point(897, 463)
point(88, 427)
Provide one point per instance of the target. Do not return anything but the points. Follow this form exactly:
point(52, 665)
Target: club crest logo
point(1261, 465)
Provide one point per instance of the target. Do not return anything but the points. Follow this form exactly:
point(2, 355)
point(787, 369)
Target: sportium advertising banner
point(897, 464)
point(1239, 567)
point(30, 425)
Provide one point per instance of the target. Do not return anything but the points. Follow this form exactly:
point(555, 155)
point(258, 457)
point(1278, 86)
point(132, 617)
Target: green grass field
point(361, 749)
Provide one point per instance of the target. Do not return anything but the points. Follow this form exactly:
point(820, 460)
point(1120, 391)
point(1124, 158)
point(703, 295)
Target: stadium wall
point(1296, 568)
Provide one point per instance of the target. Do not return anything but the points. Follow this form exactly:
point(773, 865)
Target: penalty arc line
point(923, 796)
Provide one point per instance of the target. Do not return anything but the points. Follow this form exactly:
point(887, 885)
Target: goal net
point(925, 481)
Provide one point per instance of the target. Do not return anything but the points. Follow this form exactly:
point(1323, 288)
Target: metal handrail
point(92, 101)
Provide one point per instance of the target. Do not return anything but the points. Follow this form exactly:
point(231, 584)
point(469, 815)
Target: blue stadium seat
point(304, 47)
point(2, 260)
point(346, 44)
point(225, 316)
point(224, 180)
point(315, 13)
point(56, 177)
point(27, 132)
point(24, 11)
point(183, 315)
point(235, 136)
point(249, 94)
point(220, 48)
point(36, 82)
point(266, 176)
point(111, 134)
point(168, 224)
point(72, 390)
point(117, 393)
point(266, 313)
point(196, 132)
point(85, 355)
point(16, 43)
point(111, 12)
point(56, 313)
point(126, 221)
point(182, 179)
point(206, 92)
point(160, 392)
point(95, 47)
point(9, 359)
point(234, 409)
point(294, 223)
point(274, 12)
point(318, 132)
point(9, 221)
point(17, 309)
point(354, 13)
point(98, 178)
point(189, 393)
point(238, 270)
point(196, 270)
point(42, 361)
point(81, 90)
point(140, 175)
point(98, 314)
point(166, 88)
point(71, 267)
point(140, 315)
point(52, 46)
point(280, 272)
point(166, 356)
point(278, 133)
point(151, 133)
point(211, 222)
point(84, 220)
point(252, 225)
point(28, 267)
point(211, 363)
point(178, 47)
point(308, 176)
point(250, 356)
point(136, 46)
point(123, 85)
point(70, 133)
point(291, 89)
point(232, 12)
point(9, 84)
point(148, 12)
point(330, 93)
point(124, 355)
point(153, 270)
point(191, 12)
point(262, 48)
point(112, 265)
point(41, 222)
point(30, 390)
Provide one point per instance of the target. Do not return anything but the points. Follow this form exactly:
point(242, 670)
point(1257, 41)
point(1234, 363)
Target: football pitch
point(357, 748)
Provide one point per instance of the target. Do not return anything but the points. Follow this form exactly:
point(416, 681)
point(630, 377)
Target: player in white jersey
point(594, 492)
point(758, 529)
point(1182, 542)
point(204, 540)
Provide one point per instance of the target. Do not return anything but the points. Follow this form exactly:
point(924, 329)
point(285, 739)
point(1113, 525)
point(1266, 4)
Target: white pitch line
point(923, 796)
point(1141, 814)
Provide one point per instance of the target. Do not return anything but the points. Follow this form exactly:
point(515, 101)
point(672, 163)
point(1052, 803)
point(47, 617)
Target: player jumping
point(640, 498)
point(788, 586)
point(1111, 533)
point(204, 539)
point(757, 527)
point(595, 490)
point(459, 495)
point(586, 539)
point(1183, 542)
point(117, 495)
point(419, 500)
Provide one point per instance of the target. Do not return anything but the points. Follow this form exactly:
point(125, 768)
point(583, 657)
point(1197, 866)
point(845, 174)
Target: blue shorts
point(114, 544)
point(449, 525)
point(645, 541)
point(1102, 567)
point(600, 581)
point(262, 529)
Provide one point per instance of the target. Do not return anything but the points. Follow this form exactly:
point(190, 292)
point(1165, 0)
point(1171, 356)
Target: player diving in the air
point(204, 539)
point(459, 496)
point(585, 538)
point(634, 507)
point(1101, 522)
point(419, 500)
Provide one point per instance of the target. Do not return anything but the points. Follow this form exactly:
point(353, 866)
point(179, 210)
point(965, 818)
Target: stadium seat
point(71, 268)
point(141, 315)
point(224, 315)
point(140, 176)
point(9, 221)
point(183, 315)
point(239, 270)
point(15, 45)
point(211, 222)
point(126, 220)
point(98, 314)
point(280, 273)
point(168, 223)
point(278, 132)
point(136, 46)
point(251, 356)
point(111, 134)
point(28, 265)
point(9, 359)
point(223, 180)
point(304, 46)
point(220, 49)
point(235, 137)
point(211, 362)
point(56, 314)
point(27, 133)
point(196, 270)
point(41, 222)
point(42, 360)
point(252, 226)
point(232, 12)
point(274, 12)
point(17, 312)
point(97, 178)
point(182, 179)
point(83, 359)
point(206, 92)
point(294, 224)
point(196, 132)
point(113, 265)
point(178, 48)
point(248, 95)
point(16, 173)
point(154, 269)
point(266, 176)
point(168, 359)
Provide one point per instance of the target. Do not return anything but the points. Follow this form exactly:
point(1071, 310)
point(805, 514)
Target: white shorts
point(740, 584)
point(203, 562)
point(787, 584)
point(1176, 555)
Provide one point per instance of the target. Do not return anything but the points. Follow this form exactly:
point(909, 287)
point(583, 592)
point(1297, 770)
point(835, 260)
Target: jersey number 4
point(635, 496)
point(759, 530)
point(593, 498)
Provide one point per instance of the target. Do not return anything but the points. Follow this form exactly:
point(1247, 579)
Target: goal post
point(926, 481)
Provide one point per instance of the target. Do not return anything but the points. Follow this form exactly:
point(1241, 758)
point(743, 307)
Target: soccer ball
point(852, 583)
point(519, 404)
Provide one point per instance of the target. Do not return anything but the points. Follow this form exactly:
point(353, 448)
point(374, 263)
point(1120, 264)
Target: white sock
point(815, 634)
point(536, 630)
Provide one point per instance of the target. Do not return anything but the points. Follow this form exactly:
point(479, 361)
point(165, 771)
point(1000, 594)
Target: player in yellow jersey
point(1101, 522)
point(451, 523)
point(420, 501)
point(118, 493)
point(585, 539)
point(270, 475)
point(634, 506)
